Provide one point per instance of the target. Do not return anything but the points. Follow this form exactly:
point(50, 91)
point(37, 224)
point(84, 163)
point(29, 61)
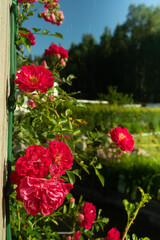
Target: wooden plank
point(4, 90)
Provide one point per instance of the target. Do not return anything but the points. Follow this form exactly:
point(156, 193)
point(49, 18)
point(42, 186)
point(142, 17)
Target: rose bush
point(48, 159)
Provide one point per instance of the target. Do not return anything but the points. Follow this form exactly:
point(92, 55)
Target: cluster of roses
point(37, 176)
point(52, 13)
point(59, 53)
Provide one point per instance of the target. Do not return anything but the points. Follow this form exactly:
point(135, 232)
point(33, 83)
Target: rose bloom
point(26, 1)
point(77, 236)
point(61, 157)
point(89, 213)
point(113, 234)
point(35, 163)
point(122, 138)
point(32, 78)
point(30, 36)
point(56, 50)
point(31, 104)
point(41, 195)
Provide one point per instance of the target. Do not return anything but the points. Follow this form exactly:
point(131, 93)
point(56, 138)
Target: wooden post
point(4, 91)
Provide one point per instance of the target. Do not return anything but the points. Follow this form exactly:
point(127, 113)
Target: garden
point(79, 171)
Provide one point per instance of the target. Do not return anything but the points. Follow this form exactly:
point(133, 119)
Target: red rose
point(53, 49)
point(122, 138)
point(61, 157)
point(32, 78)
point(42, 195)
point(63, 52)
point(35, 163)
point(30, 36)
point(113, 234)
point(89, 213)
point(77, 236)
point(56, 50)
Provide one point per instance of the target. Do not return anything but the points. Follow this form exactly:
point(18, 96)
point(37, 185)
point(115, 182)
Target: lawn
point(150, 143)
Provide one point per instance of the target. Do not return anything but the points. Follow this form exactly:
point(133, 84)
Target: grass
point(151, 144)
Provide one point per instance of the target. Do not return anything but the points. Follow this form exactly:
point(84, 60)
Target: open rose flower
point(41, 195)
point(32, 78)
point(113, 234)
point(77, 236)
point(61, 157)
point(30, 36)
point(89, 213)
point(35, 163)
point(57, 51)
point(122, 138)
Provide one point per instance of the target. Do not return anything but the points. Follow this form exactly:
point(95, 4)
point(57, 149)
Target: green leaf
point(54, 221)
point(64, 209)
point(105, 220)
point(76, 172)
point(59, 35)
point(45, 32)
point(30, 13)
point(30, 224)
point(71, 177)
point(36, 30)
point(134, 237)
point(101, 178)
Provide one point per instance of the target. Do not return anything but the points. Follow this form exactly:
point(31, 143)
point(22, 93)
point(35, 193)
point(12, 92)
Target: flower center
point(121, 136)
point(33, 79)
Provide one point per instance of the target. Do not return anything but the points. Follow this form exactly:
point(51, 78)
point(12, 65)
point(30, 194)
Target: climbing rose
point(122, 138)
point(113, 234)
point(35, 163)
point(89, 213)
point(27, 1)
point(61, 157)
point(41, 195)
point(30, 36)
point(77, 236)
point(57, 51)
point(32, 78)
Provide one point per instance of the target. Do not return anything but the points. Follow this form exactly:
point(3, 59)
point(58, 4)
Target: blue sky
point(83, 17)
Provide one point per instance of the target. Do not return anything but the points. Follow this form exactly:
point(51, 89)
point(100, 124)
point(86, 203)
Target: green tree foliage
point(129, 58)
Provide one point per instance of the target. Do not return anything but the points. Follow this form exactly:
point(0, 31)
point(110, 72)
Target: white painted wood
point(4, 89)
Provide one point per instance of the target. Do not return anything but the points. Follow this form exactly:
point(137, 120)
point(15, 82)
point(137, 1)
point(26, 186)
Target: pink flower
point(35, 163)
point(89, 213)
point(63, 63)
point(61, 157)
point(41, 195)
point(122, 138)
point(44, 64)
point(31, 104)
point(80, 217)
point(72, 200)
point(33, 78)
point(27, 1)
point(113, 234)
point(51, 97)
point(30, 36)
point(77, 236)
point(51, 15)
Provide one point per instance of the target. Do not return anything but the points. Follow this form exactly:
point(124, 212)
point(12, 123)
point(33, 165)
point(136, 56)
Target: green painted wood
point(11, 107)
